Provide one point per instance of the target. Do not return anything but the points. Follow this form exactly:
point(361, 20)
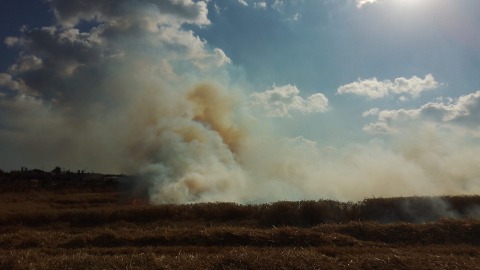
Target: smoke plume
point(139, 94)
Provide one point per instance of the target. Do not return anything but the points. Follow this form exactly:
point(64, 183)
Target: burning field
point(110, 230)
point(221, 123)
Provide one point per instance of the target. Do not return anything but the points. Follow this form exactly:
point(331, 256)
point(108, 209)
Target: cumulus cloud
point(295, 17)
point(69, 13)
point(85, 80)
point(129, 96)
point(464, 111)
point(6, 81)
point(278, 5)
point(243, 2)
point(217, 59)
point(373, 89)
point(379, 128)
point(61, 48)
point(301, 139)
point(128, 27)
point(11, 41)
point(403, 98)
point(373, 111)
point(281, 100)
point(361, 3)
point(218, 9)
point(413, 86)
point(260, 5)
point(25, 63)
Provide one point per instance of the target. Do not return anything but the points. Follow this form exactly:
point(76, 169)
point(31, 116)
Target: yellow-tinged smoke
point(125, 97)
point(193, 150)
point(214, 109)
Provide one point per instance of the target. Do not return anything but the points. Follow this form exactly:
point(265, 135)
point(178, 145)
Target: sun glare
point(360, 3)
point(411, 3)
point(404, 3)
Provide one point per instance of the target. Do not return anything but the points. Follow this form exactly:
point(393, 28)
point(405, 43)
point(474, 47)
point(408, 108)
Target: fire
point(139, 202)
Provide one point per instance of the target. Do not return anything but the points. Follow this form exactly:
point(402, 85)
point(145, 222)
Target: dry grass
point(78, 230)
point(94, 209)
point(459, 257)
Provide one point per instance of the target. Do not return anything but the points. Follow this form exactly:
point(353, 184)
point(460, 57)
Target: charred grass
point(76, 230)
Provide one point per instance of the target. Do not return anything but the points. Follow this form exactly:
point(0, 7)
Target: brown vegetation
point(75, 230)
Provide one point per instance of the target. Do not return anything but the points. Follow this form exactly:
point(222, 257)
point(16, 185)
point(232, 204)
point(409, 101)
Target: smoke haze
point(140, 94)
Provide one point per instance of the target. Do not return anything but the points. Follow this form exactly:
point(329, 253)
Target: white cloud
point(25, 63)
point(11, 41)
point(373, 111)
point(260, 5)
point(218, 9)
point(243, 2)
point(401, 114)
point(300, 139)
point(403, 98)
point(370, 87)
point(464, 111)
point(361, 3)
point(379, 128)
point(373, 89)
point(70, 13)
point(186, 46)
point(217, 59)
point(280, 100)
point(63, 63)
point(414, 86)
point(6, 81)
point(278, 5)
point(295, 17)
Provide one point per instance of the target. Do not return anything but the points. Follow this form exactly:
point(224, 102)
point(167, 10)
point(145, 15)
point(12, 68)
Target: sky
point(247, 100)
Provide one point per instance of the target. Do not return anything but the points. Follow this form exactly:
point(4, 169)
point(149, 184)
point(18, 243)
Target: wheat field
point(113, 230)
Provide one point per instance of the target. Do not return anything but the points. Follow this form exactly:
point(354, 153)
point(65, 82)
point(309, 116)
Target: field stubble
point(105, 231)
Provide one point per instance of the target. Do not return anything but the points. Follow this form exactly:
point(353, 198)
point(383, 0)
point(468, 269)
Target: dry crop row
point(453, 257)
point(105, 231)
point(97, 209)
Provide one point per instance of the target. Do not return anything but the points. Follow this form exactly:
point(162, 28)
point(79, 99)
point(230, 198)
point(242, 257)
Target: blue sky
point(33, 13)
point(341, 85)
point(334, 42)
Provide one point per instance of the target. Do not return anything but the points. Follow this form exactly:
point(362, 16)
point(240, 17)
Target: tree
point(57, 170)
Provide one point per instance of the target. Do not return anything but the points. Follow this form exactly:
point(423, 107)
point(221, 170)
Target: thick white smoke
point(139, 94)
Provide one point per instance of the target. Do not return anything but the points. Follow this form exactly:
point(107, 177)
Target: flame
point(139, 202)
